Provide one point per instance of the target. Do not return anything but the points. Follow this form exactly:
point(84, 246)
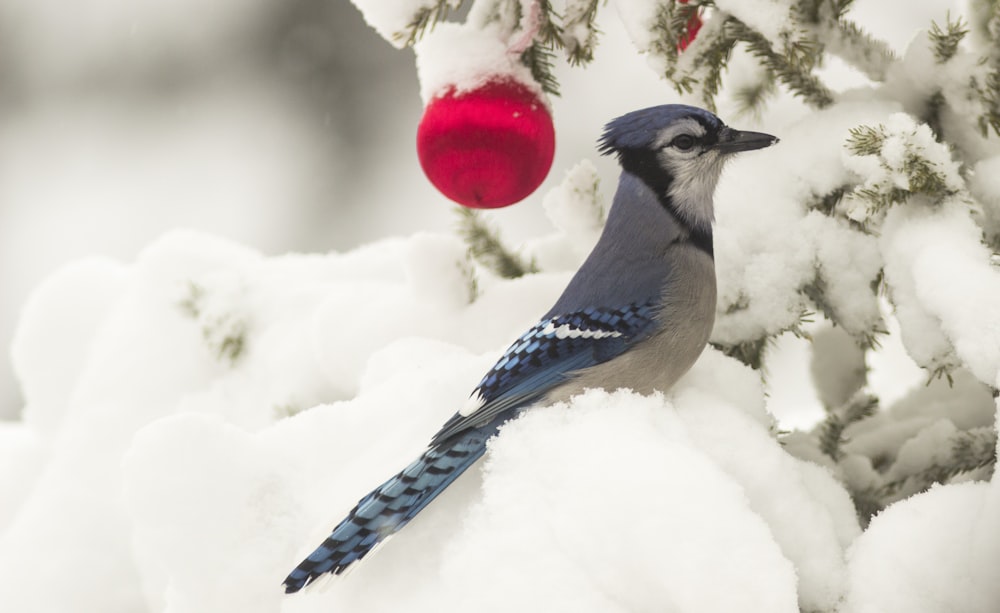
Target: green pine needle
point(831, 432)
point(580, 15)
point(793, 69)
point(540, 60)
point(425, 19)
point(866, 140)
point(947, 39)
point(486, 247)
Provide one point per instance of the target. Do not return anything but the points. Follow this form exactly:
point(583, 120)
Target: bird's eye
point(684, 142)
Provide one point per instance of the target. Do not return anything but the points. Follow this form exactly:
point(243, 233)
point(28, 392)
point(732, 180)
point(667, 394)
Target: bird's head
point(679, 152)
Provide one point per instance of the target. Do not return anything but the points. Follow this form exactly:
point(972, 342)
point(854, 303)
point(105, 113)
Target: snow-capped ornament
point(693, 25)
point(487, 147)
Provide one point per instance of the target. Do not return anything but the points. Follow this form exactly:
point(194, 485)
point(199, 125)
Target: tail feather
point(389, 507)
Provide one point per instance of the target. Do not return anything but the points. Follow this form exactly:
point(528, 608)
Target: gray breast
point(686, 318)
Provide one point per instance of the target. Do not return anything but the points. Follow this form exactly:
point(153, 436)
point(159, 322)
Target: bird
point(637, 314)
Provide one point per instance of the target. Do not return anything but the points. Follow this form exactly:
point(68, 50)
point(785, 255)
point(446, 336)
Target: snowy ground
point(197, 417)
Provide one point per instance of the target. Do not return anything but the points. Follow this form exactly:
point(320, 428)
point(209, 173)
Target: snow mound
point(192, 471)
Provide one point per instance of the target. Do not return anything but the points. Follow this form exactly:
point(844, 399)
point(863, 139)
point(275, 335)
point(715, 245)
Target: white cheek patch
point(693, 187)
point(567, 331)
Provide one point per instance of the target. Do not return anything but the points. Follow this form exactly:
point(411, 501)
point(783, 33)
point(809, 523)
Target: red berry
point(488, 147)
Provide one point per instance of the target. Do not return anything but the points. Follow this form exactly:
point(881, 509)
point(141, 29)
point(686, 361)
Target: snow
point(772, 18)
point(939, 558)
point(944, 316)
point(51, 348)
point(576, 210)
point(768, 244)
point(460, 57)
point(198, 416)
point(215, 527)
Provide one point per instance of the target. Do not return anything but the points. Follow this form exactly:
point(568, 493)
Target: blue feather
point(389, 507)
point(543, 358)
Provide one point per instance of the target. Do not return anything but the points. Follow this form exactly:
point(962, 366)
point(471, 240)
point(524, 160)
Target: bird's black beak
point(733, 141)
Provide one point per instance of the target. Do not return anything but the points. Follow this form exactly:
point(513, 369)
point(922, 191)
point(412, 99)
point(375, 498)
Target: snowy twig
point(831, 431)
point(578, 35)
point(946, 40)
point(793, 70)
point(425, 19)
point(848, 41)
point(487, 248)
point(972, 451)
point(224, 331)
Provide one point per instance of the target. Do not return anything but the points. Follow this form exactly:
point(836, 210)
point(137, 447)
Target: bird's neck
point(651, 220)
point(685, 191)
point(629, 264)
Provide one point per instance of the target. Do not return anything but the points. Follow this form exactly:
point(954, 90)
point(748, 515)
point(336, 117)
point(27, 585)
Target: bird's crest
point(640, 129)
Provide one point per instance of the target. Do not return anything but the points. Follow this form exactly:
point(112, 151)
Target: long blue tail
point(390, 506)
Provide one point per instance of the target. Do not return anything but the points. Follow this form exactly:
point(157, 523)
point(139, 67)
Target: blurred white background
point(287, 125)
point(277, 123)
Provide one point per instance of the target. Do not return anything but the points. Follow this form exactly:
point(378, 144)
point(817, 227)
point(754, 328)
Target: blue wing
point(550, 353)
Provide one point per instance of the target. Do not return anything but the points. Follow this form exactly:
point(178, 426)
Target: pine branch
point(866, 506)
point(752, 352)
point(827, 203)
point(831, 431)
point(815, 11)
point(971, 450)
point(749, 352)
point(922, 176)
point(701, 64)
point(713, 60)
point(669, 24)
point(468, 272)
point(540, 60)
point(870, 55)
point(816, 292)
point(944, 369)
point(225, 334)
point(578, 35)
point(987, 88)
point(946, 41)
point(486, 247)
point(846, 39)
point(191, 304)
point(932, 115)
point(425, 19)
point(794, 70)
point(989, 97)
point(549, 32)
point(866, 140)
point(752, 98)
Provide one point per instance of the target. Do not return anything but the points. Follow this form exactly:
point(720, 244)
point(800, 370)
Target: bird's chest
point(655, 364)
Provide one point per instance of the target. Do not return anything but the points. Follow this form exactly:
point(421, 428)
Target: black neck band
point(643, 164)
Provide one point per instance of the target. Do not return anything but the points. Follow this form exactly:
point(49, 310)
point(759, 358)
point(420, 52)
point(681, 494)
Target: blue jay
point(637, 314)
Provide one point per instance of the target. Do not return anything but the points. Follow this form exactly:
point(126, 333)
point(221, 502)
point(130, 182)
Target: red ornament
point(693, 25)
point(488, 147)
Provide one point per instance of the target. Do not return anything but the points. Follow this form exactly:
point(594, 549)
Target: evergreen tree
point(916, 167)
